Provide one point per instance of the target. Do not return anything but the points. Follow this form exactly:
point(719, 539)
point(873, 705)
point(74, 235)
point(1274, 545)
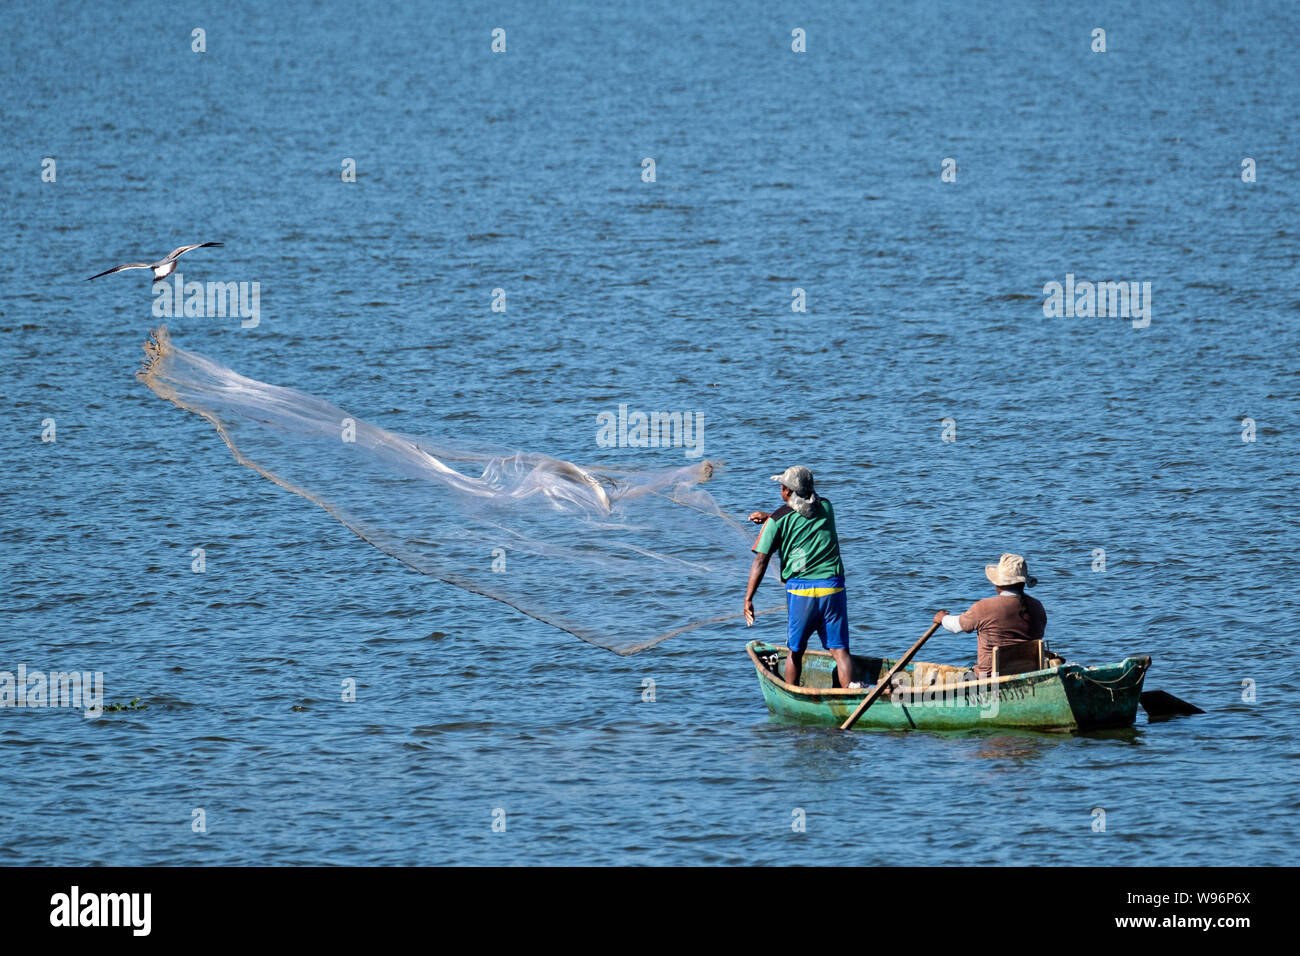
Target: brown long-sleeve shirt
point(998, 621)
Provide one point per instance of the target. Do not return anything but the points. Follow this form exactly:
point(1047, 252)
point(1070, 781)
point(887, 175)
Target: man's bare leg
point(843, 665)
point(793, 667)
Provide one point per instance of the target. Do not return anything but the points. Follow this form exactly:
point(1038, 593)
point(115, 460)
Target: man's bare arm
point(756, 572)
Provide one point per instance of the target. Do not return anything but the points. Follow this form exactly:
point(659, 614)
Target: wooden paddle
point(884, 683)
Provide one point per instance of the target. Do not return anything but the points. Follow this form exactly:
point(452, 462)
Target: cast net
point(621, 559)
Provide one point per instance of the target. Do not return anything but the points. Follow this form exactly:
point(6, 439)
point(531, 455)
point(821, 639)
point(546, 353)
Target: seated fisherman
point(1008, 618)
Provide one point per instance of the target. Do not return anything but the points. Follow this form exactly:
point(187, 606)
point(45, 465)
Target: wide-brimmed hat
point(800, 482)
point(1010, 569)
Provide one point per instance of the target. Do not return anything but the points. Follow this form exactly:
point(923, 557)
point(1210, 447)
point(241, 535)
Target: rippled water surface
point(774, 171)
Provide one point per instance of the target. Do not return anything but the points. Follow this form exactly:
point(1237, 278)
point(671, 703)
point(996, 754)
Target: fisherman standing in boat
point(1008, 618)
point(803, 531)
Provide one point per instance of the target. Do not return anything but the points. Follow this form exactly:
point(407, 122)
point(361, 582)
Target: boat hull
point(927, 696)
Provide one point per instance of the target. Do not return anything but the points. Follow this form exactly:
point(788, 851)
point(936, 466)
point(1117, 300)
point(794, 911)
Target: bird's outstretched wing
point(129, 265)
point(176, 253)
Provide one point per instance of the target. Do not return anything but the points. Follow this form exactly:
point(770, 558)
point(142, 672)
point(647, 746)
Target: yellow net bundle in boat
point(621, 559)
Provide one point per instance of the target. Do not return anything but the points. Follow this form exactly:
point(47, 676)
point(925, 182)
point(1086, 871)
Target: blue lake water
point(774, 170)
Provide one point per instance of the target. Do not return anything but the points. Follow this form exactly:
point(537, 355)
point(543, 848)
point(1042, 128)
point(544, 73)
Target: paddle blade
point(1158, 703)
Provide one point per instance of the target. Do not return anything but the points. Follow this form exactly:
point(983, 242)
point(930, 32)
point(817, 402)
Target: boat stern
point(1105, 696)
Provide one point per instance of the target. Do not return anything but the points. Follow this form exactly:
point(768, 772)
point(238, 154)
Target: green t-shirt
point(809, 547)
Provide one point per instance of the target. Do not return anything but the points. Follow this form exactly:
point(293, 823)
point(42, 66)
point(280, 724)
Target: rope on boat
point(1109, 685)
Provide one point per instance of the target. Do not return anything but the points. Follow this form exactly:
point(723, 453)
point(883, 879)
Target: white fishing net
point(621, 559)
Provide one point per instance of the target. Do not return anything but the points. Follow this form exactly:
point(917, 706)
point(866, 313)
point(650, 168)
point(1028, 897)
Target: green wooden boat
point(1067, 697)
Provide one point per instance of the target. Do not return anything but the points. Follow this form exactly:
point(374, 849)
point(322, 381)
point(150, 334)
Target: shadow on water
point(1020, 746)
point(997, 744)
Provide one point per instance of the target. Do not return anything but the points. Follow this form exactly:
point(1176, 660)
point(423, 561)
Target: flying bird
point(163, 267)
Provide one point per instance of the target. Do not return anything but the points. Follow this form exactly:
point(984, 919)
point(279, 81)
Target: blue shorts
point(817, 605)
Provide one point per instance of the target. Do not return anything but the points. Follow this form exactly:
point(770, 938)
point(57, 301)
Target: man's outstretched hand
point(758, 517)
